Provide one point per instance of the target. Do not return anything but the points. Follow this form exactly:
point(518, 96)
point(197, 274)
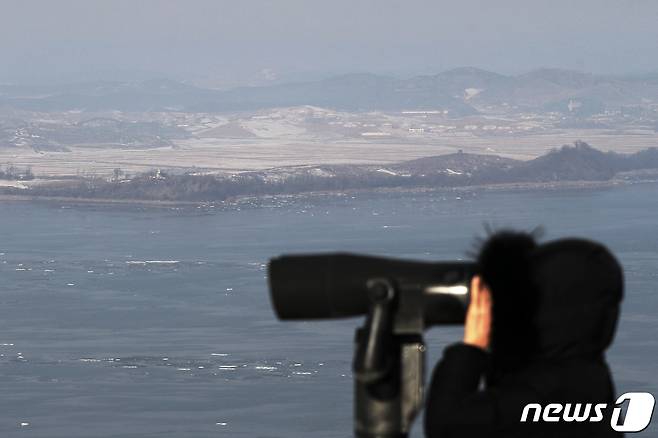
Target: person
point(539, 321)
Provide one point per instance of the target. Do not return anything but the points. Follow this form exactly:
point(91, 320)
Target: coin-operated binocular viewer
point(400, 300)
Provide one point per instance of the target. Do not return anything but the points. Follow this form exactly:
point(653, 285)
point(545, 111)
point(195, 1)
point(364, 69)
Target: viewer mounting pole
point(388, 366)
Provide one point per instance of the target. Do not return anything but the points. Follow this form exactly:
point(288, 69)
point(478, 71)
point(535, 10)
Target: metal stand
point(389, 362)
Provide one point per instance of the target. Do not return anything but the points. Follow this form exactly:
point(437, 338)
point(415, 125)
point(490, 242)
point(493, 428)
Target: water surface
point(155, 322)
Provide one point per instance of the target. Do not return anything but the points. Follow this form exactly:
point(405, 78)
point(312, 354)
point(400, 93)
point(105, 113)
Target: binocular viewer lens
point(325, 286)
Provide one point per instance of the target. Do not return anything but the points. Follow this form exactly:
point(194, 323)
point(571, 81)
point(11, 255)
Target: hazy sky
point(242, 40)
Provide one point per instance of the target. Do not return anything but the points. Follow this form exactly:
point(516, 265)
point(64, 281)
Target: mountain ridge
point(458, 92)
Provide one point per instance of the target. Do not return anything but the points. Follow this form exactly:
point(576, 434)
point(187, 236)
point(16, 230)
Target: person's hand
point(477, 329)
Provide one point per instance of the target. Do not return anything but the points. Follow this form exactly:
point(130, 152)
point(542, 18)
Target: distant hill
point(458, 163)
point(578, 162)
point(581, 162)
point(458, 92)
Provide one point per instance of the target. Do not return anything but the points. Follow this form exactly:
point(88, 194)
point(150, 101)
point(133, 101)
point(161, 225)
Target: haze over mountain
point(222, 44)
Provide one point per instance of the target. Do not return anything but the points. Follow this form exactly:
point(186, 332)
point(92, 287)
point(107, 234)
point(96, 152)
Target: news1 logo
point(638, 412)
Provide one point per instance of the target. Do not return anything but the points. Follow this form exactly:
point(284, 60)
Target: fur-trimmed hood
point(555, 301)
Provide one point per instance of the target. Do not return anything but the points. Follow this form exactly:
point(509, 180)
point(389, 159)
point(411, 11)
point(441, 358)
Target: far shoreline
point(250, 199)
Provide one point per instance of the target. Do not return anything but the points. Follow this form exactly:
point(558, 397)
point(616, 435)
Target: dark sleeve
point(455, 407)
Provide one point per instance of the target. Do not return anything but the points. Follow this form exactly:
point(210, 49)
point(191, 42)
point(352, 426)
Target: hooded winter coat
point(555, 310)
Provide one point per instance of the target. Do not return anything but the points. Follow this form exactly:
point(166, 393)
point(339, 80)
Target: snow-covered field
point(228, 143)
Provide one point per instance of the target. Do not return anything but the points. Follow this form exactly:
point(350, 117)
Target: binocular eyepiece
point(326, 286)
